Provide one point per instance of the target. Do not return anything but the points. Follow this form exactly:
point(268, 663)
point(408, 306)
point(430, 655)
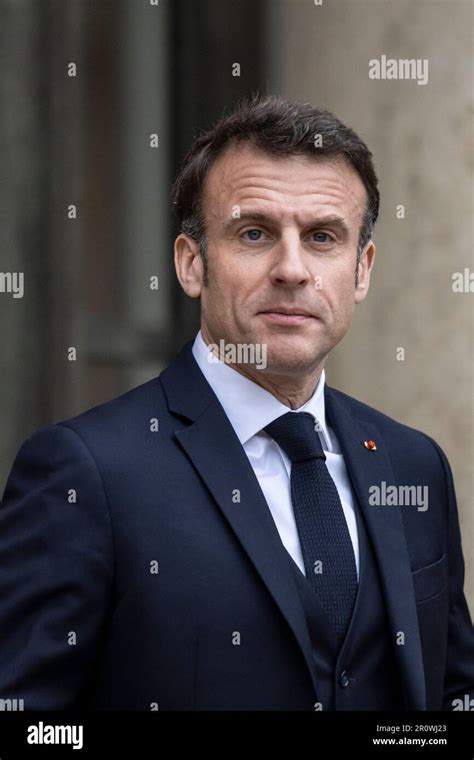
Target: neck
point(293, 392)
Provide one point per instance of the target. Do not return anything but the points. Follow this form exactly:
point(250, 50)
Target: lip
point(286, 316)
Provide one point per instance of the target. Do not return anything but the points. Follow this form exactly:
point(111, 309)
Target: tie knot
point(296, 433)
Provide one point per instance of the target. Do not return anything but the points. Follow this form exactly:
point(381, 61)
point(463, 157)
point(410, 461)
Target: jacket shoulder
point(121, 416)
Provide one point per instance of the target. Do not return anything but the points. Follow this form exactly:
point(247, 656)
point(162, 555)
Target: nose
point(290, 265)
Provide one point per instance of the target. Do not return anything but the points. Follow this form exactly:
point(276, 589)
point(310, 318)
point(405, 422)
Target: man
point(213, 539)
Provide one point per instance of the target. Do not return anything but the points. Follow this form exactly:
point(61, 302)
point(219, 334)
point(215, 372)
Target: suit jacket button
point(344, 679)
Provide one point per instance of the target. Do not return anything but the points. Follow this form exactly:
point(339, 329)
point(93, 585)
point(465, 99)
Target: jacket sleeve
point(56, 572)
point(459, 672)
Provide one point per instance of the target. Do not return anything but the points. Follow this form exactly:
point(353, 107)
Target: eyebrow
point(332, 220)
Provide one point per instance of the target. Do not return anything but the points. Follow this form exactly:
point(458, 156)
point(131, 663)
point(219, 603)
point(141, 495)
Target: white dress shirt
point(249, 408)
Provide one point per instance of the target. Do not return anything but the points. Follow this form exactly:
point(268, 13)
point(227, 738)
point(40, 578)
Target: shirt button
point(344, 679)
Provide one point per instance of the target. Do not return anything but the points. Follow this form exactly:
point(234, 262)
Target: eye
point(317, 237)
point(255, 235)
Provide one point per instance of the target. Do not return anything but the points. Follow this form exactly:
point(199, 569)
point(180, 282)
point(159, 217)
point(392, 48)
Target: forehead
point(284, 185)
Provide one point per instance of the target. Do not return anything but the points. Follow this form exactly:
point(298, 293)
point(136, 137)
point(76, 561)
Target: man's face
point(282, 237)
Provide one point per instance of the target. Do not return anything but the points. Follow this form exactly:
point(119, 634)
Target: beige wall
point(421, 137)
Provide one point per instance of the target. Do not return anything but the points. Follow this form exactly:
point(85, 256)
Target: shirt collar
point(248, 406)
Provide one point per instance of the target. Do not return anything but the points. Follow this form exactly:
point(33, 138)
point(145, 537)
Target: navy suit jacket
point(133, 577)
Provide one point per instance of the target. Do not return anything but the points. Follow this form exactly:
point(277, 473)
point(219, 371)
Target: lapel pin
point(370, 445)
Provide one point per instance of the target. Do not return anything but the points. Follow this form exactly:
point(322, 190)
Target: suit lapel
point(385, 527)
point(213, 447)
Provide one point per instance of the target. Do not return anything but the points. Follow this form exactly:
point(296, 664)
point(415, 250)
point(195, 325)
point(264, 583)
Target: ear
point(188, 265)
point(366, 263)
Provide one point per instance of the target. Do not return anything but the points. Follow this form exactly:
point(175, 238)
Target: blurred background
point(166, 68)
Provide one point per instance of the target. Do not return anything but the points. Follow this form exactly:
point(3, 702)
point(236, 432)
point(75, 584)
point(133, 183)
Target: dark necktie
point(326, 545)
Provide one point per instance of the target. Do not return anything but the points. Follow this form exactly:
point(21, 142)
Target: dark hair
point(281, 128)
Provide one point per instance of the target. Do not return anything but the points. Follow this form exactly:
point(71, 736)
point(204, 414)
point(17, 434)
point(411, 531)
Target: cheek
point(338, 293)
point(239, 281)
point(226, 287)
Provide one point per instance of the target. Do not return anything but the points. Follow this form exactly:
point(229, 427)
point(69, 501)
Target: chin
point(291, 357)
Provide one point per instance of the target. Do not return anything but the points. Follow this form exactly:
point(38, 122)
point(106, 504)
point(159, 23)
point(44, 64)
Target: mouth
point(286, 316)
